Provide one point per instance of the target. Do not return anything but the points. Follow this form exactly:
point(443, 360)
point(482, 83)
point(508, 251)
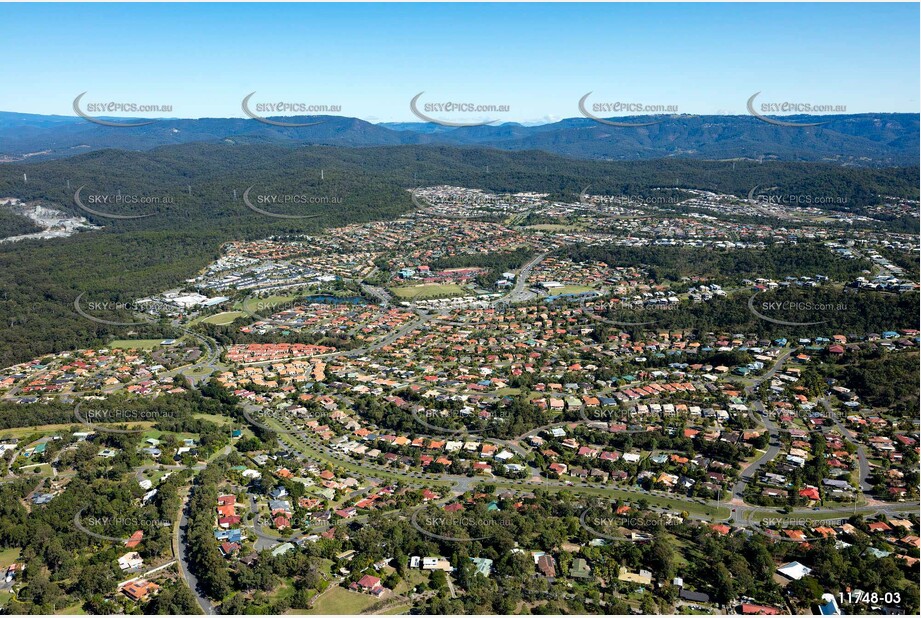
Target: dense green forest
point(850, 311)
point(773, 262)
point(12, 224)
point(883, 380)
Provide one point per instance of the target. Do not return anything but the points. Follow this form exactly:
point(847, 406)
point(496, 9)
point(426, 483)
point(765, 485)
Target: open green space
point(572, 289)
point(8, 556)
point(429, 290)
point(135, 344)
point(339, 601)
point(264, 306)
point(222, 319)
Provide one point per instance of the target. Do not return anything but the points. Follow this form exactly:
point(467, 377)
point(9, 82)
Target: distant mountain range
point(854, 139)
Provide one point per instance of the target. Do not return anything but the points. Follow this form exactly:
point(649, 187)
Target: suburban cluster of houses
point(138, 371)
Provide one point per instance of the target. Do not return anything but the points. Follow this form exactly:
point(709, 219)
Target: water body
point(328, 299)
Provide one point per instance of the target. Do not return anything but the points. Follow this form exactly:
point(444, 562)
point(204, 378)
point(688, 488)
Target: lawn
point(266, 306)
point(429, 290)
point(217, 419)
point(571, 289)
point(8, 556)
point(137, 344)
point(413, 578)
point(21, 432)
point(340, 601)
point(557, 227)
point(224, 318)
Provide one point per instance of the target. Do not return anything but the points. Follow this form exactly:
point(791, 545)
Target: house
point(281, 522)
point(130, 561)
point(721, 529)
point(794, 570)
point(695, 597)
point(139, 589)
point(436, 563)
point(135, 539)
point(643, 578)
point(483, 566)
point(810, 493)
point(229, 548)
point(369, 585)
point(752, 609)
point(580, 569)
point(546, 565)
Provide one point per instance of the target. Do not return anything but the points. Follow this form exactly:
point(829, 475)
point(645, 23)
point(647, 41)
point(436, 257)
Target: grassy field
point(35, 470)
point(556, 227)
point(429, 290)
point(224, 318)
point(8, 556)
point(58, 429)
point(266, 306)
point(21, 432)
point(137, 344)
point(571, 289)
point(339, 601)
point(214, 418)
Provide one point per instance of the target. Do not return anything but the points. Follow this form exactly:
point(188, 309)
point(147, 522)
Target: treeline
point(510, 416)
point(847, 312)
point(204, 555)
point(495, 263)
point(12, 224)
point(884, 379)
point(772, 262)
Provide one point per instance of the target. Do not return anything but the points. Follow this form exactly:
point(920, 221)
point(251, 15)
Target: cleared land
point(224, 318)
point(137, 344)
point(339, 601)
point(429, 290)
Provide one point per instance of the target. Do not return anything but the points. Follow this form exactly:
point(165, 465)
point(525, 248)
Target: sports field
point(429, 290)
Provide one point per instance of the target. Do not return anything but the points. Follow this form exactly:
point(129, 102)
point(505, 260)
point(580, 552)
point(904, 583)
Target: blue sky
point(538, 59)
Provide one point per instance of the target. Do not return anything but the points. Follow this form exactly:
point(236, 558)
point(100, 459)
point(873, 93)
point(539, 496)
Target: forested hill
point(847, 139)
point(200, 180)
